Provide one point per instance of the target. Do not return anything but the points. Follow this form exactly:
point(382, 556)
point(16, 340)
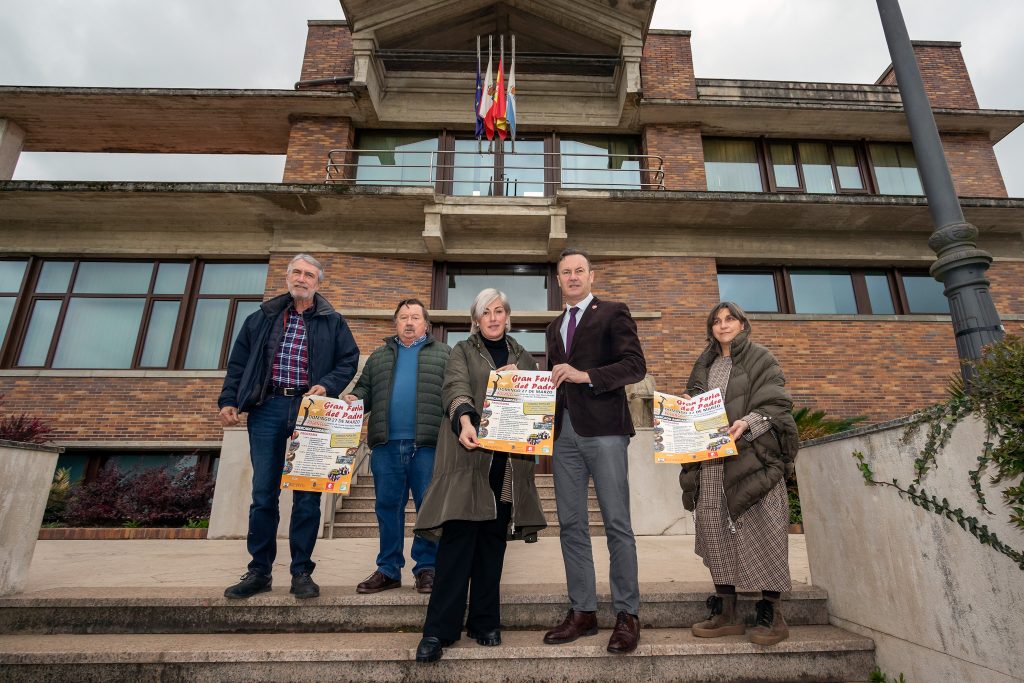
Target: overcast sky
point(259, 44)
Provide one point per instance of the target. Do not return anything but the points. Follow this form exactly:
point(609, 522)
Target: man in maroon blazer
point(594, 352)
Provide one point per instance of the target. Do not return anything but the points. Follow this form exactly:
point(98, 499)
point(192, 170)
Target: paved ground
point(341, 562)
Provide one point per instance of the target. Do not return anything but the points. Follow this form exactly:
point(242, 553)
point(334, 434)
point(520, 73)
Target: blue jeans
point(270, 427)
point(397, 467)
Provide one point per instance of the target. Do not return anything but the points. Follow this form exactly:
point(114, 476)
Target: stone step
point(341, 609)
point(812, 653)
point(368, 502)
point(370, 530)
point(362, 495)
point(345, 516)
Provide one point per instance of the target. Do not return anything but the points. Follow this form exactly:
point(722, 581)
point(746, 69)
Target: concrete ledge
point(820, 653)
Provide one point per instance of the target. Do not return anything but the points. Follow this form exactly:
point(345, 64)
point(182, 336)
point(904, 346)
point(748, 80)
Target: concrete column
point(26, 471)
point(229, 516)
point(12, 137)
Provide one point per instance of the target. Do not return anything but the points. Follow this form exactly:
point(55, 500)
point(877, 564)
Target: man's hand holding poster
point(691, 430)
point(519, 413)
point(322, 450)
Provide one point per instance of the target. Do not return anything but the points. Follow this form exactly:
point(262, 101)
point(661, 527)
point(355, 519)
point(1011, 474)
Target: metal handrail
point(343, 166)
point(335, 500)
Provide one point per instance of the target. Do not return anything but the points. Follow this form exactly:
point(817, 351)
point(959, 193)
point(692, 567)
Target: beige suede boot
point(769, 625)
point(722, 621)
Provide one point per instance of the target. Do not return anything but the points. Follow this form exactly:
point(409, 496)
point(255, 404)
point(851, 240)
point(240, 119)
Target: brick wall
point(944, 73)
point(308, 144)
point(973, 165)
point(683, 154)
point(362, 282)
point(1007, 278)
point(666, 69)
point(124, 408)
point(328, 52)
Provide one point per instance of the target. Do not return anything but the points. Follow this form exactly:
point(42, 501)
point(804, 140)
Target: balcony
point(473, 169)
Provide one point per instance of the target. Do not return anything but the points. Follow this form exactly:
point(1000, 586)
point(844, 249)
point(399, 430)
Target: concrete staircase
point(354, 517)
point(179, 634)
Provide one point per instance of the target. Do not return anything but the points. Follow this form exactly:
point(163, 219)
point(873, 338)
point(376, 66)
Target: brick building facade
point(706, 187)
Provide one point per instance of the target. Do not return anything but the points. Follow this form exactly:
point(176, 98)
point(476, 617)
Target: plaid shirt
point(291, 362)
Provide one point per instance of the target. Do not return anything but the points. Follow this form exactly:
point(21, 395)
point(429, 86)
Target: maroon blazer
point(605, 345)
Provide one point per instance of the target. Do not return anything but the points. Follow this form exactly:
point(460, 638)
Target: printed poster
point(691, 430)
point(322, 451)
point(519, 412)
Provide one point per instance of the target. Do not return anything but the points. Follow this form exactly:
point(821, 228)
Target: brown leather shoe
point(425, 581)
point(576, 624)
point(626, 634)
point(377, 582)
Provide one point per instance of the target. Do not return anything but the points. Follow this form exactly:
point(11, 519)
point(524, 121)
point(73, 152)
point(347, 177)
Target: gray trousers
point(576, 459)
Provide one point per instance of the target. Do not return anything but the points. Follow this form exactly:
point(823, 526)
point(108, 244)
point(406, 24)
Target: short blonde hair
point(480, 303)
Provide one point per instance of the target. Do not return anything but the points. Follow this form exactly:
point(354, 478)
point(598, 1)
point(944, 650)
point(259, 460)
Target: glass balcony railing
point(471, 170)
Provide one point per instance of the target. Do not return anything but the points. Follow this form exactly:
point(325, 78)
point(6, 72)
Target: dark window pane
point(54, 277)
point(817, 168)
point(162, 321)
point(207, 338)
point(879, 294)
point(600, 162)
point(76, 462)
point(473, 172)
point(137, 462)
point(924, 294)
point(234, 278)
point(243, 309)
point(752, 291)
point(784, 166)
point(895, 169)
point(113, 277)
point(170, 278)
point(396, 159)
point(847, 168)
point(6, 309)
point(11, 275)
point(823, 291)
point(526, 290)
point(40, 333)
point(99, 333)
point(732, 166)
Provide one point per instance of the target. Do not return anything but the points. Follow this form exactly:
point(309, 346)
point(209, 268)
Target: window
point(12, 276)
point(811, 166)
point(832, 291)
point(895, 168)
point(604, 161)
point(129, 314)
point(732, 165)
point(85, 464)
point(403, 158)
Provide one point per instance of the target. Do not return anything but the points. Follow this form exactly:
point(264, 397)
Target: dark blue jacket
point(333, 353)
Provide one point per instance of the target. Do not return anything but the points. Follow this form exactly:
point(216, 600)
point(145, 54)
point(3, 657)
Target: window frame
point(784, 288)
point(27, 298)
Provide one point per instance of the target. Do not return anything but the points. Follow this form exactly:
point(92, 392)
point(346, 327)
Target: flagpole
point(511, 88)
point(501, 61)
point(479, 133)
point(490, 56)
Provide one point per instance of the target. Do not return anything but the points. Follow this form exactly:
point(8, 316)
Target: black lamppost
point(960, 266)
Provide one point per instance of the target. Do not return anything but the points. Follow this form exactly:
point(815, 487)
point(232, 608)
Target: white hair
point(480, 303)
point(311, 261)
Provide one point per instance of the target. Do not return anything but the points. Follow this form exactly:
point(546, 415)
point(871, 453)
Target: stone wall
point(938, 605)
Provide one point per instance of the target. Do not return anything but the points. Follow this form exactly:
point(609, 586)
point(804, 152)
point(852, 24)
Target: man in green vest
point(400, 387)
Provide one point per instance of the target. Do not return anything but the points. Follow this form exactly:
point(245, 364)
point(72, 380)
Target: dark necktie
point(571, 330)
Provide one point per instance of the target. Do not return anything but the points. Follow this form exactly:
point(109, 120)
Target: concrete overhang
point(244, 220)
point(803, 120)
point(163, 120)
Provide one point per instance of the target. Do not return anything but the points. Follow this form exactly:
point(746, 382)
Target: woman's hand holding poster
point(691, 430)
point(519, 413)
point(322, 450)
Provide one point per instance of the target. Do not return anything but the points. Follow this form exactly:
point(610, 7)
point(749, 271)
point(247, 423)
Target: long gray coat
point(460, 488)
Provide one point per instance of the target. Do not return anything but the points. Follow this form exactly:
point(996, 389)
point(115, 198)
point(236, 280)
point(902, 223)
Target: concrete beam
point(12, 138)
point(557, 237)
point(433, 232)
